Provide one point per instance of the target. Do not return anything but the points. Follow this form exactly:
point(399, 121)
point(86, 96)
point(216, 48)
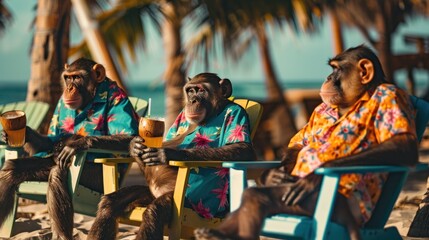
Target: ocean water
point(11, 92)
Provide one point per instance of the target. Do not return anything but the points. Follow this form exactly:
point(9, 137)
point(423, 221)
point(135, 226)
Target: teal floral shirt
point(208, 189)
point(109, 113)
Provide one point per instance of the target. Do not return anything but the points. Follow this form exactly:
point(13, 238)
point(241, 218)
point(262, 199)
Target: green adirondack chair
point(85, 200)
point(35, 112)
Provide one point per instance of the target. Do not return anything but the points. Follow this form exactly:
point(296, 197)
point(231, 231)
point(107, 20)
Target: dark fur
point(283, 193)
point(54, 168)
point(161, 178)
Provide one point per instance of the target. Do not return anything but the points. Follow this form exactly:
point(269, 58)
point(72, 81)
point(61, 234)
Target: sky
point(301, 57)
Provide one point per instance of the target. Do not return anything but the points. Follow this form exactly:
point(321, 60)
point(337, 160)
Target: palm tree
point(242, 22)
point(227, 17)
point(49, 52)
point(5, 16)
point(382, 17)
point(124, 27)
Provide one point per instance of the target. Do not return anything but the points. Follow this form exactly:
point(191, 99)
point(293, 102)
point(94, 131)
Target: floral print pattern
point(375, 118)
point(208, 190)
point(110, 103)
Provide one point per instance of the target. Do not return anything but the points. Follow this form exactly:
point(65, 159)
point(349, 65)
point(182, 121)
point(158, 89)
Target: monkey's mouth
point(72, 103)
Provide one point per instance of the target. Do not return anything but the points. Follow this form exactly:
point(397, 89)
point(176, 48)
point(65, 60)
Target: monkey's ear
point(226, 87)
point(189, 79)
point(366, 70)
point(66, 66)
point(98, 73)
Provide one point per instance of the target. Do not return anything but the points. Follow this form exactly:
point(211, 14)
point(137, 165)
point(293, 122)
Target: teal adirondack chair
point(85, 200)
point(35, 112)
point(320, 226)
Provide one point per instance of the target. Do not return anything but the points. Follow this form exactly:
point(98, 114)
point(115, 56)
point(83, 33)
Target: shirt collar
point(102, 91)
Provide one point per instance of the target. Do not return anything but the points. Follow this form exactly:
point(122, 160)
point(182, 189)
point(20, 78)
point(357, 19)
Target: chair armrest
point(251, 164)
point(195, 163)
point(114, 160)
point(359, 169)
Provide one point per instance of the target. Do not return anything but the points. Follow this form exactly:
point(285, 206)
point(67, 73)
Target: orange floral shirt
point(375, 118)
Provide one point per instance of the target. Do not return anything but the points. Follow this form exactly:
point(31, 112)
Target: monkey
point(93, 112)
point(209, 127)
point(363, 120)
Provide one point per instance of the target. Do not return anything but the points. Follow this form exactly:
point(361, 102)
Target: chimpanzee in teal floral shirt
point(110, 113)
point(208, 189)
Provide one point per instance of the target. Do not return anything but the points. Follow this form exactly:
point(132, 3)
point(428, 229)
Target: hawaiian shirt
point(208, 188)
point(375, 118)
point(109, 113)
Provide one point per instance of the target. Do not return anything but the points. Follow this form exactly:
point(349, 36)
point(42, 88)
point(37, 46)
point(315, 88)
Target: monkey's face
point(198, 103)
point(342, 87)
point(81, 83)
point(72, 97)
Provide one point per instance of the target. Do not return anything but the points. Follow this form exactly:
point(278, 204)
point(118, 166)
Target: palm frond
point(5, 17)
point(123, 28)
point(232, 21)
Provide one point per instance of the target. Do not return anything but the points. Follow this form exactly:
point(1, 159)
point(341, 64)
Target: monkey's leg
point(114, 205)
point(16, 171)
point(156, 215)
point(257, 203)
point(60, 206)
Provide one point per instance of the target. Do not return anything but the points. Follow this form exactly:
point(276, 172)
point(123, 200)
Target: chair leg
point(6, 229)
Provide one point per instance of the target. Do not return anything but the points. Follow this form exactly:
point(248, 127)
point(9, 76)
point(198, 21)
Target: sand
point(33, 221)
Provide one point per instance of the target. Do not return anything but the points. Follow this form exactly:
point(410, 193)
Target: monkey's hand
point(146, 156)
point(301, 189)
point(276, 176)
point(71, 148)
point(3, 136)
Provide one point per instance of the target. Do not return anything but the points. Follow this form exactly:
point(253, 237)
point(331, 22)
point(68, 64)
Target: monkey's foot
point(209, 234)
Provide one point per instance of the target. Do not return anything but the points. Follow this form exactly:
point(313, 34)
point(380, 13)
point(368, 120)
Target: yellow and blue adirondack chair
point(85, 201)
point(35, 112)
point(320, 226)
point(184, 219)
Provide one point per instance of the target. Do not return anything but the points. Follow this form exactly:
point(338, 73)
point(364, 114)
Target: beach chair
point(85, 200)
point(35, 112)
point(184, 220)
point(320, 226)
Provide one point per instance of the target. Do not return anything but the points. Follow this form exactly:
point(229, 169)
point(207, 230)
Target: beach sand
point(33, 221)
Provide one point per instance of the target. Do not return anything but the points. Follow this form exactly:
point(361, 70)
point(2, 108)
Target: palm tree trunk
point(282, 126)
point(174, 74)
point(49, 53)
point(96, 44)
point(337, 34)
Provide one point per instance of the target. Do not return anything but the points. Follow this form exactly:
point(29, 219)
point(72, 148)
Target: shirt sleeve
point(395, 115)
point(236, 125)
point(122, 119)
point(300, 139)
point(54, 127)
point(177, 128)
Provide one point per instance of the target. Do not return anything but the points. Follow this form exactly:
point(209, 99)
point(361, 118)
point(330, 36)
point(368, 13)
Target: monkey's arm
point(75, 145)
point(281, 174)
point(35, 142)
point(401, 149)
point(241, 151)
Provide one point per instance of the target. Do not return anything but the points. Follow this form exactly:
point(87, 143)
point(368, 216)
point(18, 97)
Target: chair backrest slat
point(254, 111)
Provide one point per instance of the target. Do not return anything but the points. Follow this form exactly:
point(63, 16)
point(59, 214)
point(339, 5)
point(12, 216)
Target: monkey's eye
point(201, 90)
point(190, 90)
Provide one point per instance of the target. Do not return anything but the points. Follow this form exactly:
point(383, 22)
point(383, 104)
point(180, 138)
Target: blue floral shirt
point(109, 113)
point(208, 188)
